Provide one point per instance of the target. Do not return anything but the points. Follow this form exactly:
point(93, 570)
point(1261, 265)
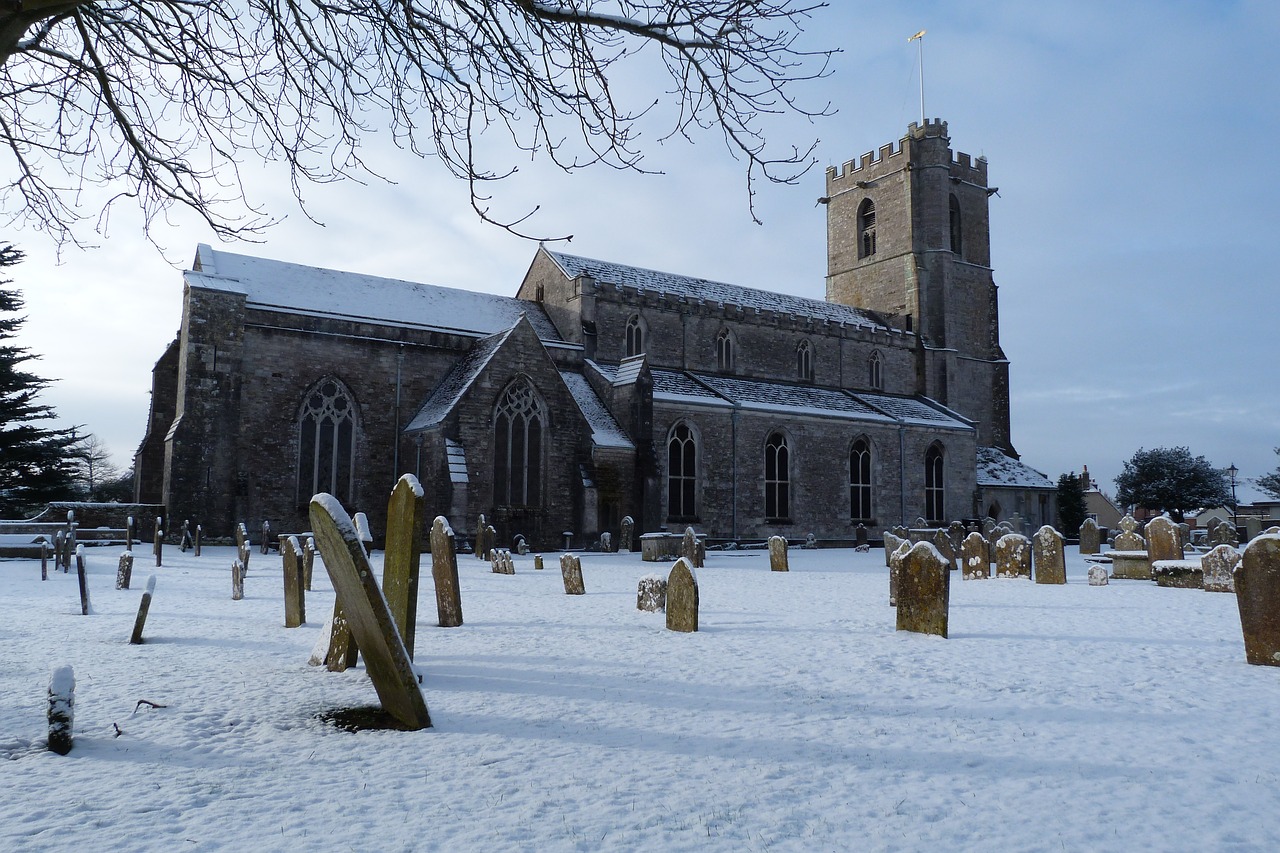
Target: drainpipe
point(902, 471)
point(395, 444)
point(733, 422)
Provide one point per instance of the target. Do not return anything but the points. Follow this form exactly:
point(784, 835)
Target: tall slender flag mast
point(920, 38)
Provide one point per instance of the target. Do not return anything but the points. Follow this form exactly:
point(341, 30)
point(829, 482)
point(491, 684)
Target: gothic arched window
point(682, 474)
point(635, 336)
point(866, 228)
point(875, 371)
point(724, 351)
point(519, 421)
point(957, 237)
point(326, 441)
point(860, 480)
point(934, 485)
point(804, 361)
point(777, 478)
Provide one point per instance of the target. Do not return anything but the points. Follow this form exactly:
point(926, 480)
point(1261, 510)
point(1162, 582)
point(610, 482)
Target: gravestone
point(895, 569)
point(130, 533)
point(444, 571)
point(537, 562)
point(124, 572)
point(143, 607)
point(361, 522)
point(295, 598)
point(606, 543)
point(84, 581)
point(308, 562)
point(481, 550)
point(651, 594)
point(778, 554)
point(956, 531)
point(185, 540)
point(59, 539)
point(243, 546)
point(1013, 556)
point(810, 542)
point(1179, 574)
point(891, 542)
point(61, 714)
point(1090, 537)
point(700, 553)
point(974, 554)
point(860, 536)
point(682, 598)
point(1163, 541)
point(1098, 575)
point(158, 547)
point(924, 587)
point(342, 652)
point(44, 560)
point(1048, 556)
point(942, 541)
point(689, 547)
point(1224, 533)
point(386, 659)
point(402, 555)
point(1258, 596)
point(502, 563)
point(627, 535)
point(237, 581)
point(1128, 538)
point(1219, 565)
point(196, 549)
point(571, 571)
point(1184, 536)
point(265, 544)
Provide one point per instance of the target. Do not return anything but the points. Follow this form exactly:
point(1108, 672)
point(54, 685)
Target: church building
point(602, 390)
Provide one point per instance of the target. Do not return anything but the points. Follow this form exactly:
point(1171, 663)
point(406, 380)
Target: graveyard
point(795, 716)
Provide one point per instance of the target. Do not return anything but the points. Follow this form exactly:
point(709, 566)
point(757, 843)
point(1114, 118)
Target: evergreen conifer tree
point(1071, 506)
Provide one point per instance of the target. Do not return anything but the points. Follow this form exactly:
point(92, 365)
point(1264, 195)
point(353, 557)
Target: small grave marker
point(295, 600)
point(1090, 537)
point(627, 535)
point(143, 607)
point(1219, 565)
point(924, 587)
point(124, 572)
point(571, 571)
point(1049, 557)
point(444, 571)
point(682, 598)
point(778, 554)
point(62, 703)
point(84, 583)
point(237, 581)
point(973, 552)
point(1098, 576)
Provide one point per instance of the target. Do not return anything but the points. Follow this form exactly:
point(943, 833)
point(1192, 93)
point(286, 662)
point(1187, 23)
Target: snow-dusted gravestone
point(1163, 539)
point(295, 598)
point(243, 545)
point(265, 545)
point(143, 607)
point(342, 652)
point(444, 571)
point(924, 589)
point(237, 581)
point(942, 541)
point(1098, 575)
point(537, 561)
point(158, 546)
point(891, 543)
point(361, 522)
point(44, 560)
point(1224, 533)
point(402, 557)
point(62, 703)
point(1049, 557)
point(651, 594)
point(386, 659)
point(502, 564)
point(956, 531)
point(682, 598)
point(700, 553)
point(895, 569)
point(1013, 556)
point(130, 533)
point(84, 581)
point(778, 554)
point(58, 536)
point(308, 562)
point(973, 552)
point(627, 534)
point(196, 549)
point(1218, 566)
point(860, 535)
point(689, 547)
point(571, 571)
point(184, 541)
point(124, 572)
point(606, 543)
point(1258, 596)
point(1128, 539)
point(1090, 537)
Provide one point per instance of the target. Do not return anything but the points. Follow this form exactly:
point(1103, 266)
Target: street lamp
point(1233, 470)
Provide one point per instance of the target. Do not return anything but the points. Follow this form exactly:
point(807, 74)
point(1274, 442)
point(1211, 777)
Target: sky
point(1132, 145)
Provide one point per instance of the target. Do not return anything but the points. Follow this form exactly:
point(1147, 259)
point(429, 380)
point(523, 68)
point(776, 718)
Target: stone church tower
point(908, 236)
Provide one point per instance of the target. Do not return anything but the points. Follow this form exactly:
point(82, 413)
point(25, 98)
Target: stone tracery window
point(875, 370)
point(635, 336)
point(519, 423)
point(682, 474)
point(860, 480)
point(934, 485)
point(777, 478)
point(866, 228)
point(804, 361)
point(326, 441)
point(724, 351)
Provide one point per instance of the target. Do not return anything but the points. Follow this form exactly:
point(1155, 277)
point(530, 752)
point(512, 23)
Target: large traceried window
point(866, 228)
point(519, 423)
point(860, 480)
point(326, 441)
point(635, 336)
point(804, 361)
point(777, 478)
point(724, 351)
point(682, 474)
point(934, 485)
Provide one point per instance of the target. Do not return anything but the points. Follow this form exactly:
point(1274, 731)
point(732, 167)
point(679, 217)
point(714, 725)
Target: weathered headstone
point(1179, 574)
point(778, 554)
point(158, 547)
point(84, 581)
point(810, 542)
point(651, 594)
point(143, 607)
point(895, 569)
point(444, 571)
point(627, 534)
point(860, 535)
point(295, 597)
point(361, 522)
point(58, 539)
point(242, 554)
point(62, 703)
point(308, 562)
point(481, 550)
point(973, 552)
point(1163, 542)
point(606, 543)
point(1048, 556)
point(682, 598)
point(130, 533)
point(1258, 596)
point(891, 542)
point(243, 545)
point(1219, 565)
point(1098, 575)
point(1224, 533)
point(1013, 556)
point(386, 660)
point(700, 553)
point(571, 571)
point(502, 564)
point(1090, 537)
point(956, 531)
point(237, 581)
point(924, 588)
point(184, 541)
point(1128, 539)
point(402, 557)
point(199, 530)
point(44, 560)
point(342, 652)
point(124, 572)
point(689, 547)
point(537, 561)
point(265, 545)
point(942, 541)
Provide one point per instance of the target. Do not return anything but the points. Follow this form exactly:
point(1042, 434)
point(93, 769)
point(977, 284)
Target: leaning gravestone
point(778, 554)
point(942, 541)
point(682, 598)
point(571, 571)
point(627, 534)
point(295, 597)
point(1098, 576)
point(237, 581)
point(1013, 556)
point(124, 572)
point(444, 571)
point(924, 586)
point(1219, 565)
point(62, 703)
point(243, 546)
point(1163, 541)
point(895, 569)
point(1258, 596)
point(1090, 537)
point(84, 581)
point(891, 542)
point(143, 607)
point(1049, 557)
point(386, 659)
point(651, 594)
point(402, 555)
point(974, 554)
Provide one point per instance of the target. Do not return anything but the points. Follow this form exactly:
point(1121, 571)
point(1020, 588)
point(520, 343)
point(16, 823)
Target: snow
point(605, 431)
point(1056, 717)
point(996, 469)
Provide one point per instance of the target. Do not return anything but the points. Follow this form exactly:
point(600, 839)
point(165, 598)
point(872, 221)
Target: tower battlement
point(875, 163)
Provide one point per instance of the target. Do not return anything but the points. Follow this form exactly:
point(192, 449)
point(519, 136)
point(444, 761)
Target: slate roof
point(790, 399)
point(298, 289)
point(675, 387)
point(910, 409)
point(456, 382)
point(605, 431)
point(997, 469)
point(607, 272)
point(457, 459)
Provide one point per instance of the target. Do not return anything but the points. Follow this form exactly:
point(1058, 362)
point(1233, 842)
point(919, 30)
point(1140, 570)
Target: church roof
point(605, 431)
point(997, 469)
point(791, 399)
point(607, 272)
point(298, 289)
point(456, 382)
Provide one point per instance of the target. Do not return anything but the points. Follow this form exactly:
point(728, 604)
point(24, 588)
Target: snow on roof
point(607, 272)
point(997, 469)
point(456, 382)
point(605, 431)
point(671, 386)
point(910, 409)
point(793, 399)
point(629, 370)
point(298, 289)
point(457, 459)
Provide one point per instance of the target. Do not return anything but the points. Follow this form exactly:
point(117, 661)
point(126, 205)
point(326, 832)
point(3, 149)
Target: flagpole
point(920, 38)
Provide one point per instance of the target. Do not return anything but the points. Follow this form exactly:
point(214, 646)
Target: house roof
point(456, 382)
point(605, 431)
point(298, 289)
point(997, 469)
point(705, 290)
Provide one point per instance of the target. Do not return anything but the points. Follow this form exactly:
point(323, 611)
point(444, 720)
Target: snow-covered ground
point(1078, 718)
